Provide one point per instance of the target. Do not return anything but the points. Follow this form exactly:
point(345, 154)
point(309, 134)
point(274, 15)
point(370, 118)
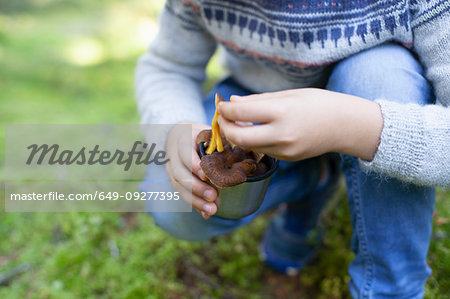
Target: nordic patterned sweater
point(275, 45)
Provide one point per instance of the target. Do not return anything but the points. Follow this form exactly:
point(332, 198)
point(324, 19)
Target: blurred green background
point(67, 61)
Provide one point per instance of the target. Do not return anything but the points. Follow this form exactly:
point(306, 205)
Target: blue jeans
point(391, 220)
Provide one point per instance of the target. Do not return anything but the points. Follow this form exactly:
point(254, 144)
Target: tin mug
point(244, 199)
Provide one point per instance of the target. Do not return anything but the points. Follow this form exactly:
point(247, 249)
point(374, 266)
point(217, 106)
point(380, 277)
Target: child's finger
point(243, 123)
point(246, 137)
point(197, 203)
point(200, 189)
point(206, 217)
point(179, 173)
point(274, 151)
point(252, 97)
point(246, 111)
point(207, 208)
point(190, 159)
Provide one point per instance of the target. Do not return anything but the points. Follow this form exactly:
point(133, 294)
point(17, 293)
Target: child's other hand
point(303, 123)
point(186, 162)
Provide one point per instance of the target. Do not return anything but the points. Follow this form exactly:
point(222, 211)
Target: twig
point(6, 278)
point(199, 274)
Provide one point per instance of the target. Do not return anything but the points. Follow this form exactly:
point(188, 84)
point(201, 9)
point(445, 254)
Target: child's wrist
point(361, 123)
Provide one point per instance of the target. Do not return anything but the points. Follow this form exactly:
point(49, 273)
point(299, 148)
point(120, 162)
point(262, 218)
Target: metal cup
point(244, 199)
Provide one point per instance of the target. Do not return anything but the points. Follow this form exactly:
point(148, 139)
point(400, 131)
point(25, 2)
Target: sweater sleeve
point(169, 76)
point(415, 140)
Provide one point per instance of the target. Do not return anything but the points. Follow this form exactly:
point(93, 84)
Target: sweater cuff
point(402, 146)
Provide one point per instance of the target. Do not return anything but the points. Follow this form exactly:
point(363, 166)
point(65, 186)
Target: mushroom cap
point(203, 136)
point(261, 168)
point(228, 168)
point(258, 156)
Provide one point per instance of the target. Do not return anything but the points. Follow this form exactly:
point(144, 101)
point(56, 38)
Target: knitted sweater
point(276, 45)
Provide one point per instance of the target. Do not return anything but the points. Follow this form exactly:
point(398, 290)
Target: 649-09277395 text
point(97, 195)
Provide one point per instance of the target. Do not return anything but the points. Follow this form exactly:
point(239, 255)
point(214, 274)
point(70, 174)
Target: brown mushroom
point(227, 168)
point(204, 136)
point(261, 168)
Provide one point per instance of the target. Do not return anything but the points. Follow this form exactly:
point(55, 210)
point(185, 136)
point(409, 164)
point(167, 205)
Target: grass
point(73, 62)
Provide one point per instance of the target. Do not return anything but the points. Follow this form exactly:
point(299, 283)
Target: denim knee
point(190, 226)
point(180, 225)
point(389, 72)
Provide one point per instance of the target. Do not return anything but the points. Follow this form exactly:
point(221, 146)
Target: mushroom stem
point(216, 139)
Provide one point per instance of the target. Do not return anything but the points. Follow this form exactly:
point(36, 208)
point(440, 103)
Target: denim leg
point(392, 220)
point(292, 181)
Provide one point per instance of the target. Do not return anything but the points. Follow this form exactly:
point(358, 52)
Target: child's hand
point(303, 123)
point(184, 163)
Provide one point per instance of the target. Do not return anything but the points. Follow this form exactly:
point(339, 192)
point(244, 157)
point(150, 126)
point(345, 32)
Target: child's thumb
point(235, 98)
